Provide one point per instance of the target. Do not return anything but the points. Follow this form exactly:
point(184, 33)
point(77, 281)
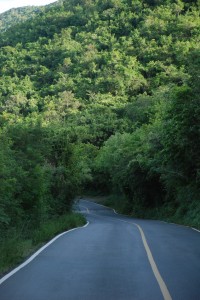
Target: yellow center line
point(161, 283)
point(85, 208)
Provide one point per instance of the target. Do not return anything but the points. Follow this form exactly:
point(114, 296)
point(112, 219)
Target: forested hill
point(17, 15)
point(103, 94)
point(14, 16)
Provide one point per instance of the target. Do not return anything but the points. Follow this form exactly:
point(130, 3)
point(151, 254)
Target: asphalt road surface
point(113, 258)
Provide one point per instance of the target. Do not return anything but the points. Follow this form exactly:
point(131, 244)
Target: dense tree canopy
point(17, 15)
point(100, 93)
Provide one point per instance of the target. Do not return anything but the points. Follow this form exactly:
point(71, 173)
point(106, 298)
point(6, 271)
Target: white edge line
point(37, 253)
point(183, 226)
point(195, 229)
point(157, 220)
point(160, 281)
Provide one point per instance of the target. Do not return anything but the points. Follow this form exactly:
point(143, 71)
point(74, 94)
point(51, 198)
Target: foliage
point(17, 15)
point(102, 94)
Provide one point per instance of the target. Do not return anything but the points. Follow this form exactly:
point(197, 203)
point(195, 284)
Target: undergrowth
point(16, 244)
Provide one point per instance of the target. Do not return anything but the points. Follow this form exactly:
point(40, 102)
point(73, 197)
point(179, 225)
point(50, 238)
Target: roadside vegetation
point(16, 244)
point(169, 213)
point(100, 95)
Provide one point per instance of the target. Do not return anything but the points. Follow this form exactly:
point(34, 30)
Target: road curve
point(114, 258)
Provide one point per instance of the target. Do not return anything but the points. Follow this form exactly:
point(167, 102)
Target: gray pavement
point(114, 258)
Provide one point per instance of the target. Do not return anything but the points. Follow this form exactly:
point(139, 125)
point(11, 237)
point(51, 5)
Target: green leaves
point(104, 93)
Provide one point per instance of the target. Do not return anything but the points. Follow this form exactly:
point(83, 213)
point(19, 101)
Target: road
point(113, 258)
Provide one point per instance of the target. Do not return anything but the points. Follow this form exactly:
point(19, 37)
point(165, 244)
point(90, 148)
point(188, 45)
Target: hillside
point(103, 95)
point(17, 15)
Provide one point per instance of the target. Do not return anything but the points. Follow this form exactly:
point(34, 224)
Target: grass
point(15, 247)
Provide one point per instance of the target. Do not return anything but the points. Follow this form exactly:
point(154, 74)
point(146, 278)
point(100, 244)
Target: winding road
point(113, 257)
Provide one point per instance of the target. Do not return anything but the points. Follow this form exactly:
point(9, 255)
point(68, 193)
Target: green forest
point(104, 96)
point(17, 15)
